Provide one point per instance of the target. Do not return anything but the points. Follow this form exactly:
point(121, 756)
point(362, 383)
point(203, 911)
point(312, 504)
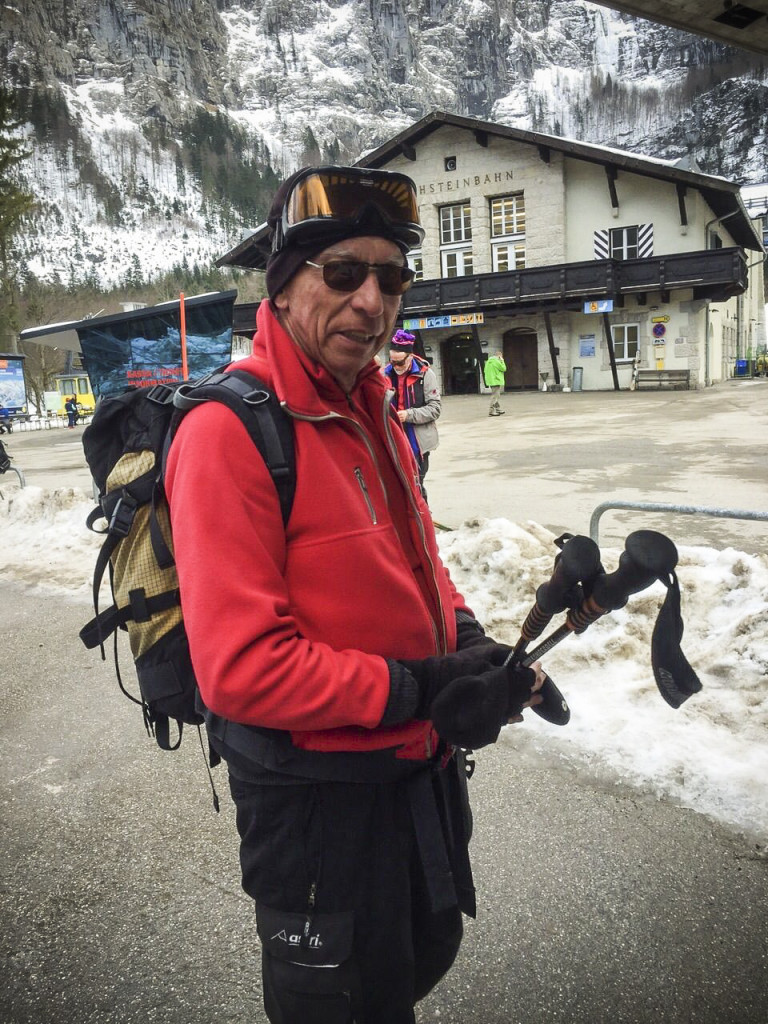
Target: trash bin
point(741, 367)
point(578, 374)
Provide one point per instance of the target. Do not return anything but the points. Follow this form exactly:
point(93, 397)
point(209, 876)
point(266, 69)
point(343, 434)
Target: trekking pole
point(648, 556)
point(578, 563)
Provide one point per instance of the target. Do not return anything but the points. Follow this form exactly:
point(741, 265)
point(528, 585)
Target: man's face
point(341, 330)
point(400, 360)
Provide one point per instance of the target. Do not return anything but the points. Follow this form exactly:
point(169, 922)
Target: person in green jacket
point(493, 372)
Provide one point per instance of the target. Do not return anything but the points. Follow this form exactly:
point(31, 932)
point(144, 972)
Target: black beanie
point(282, 265)
point(287, 261)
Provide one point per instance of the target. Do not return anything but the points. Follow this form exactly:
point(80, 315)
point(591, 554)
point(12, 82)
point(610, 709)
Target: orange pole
point(183, 324)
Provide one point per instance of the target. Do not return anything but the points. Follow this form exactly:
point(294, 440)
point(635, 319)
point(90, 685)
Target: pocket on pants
point(319, 940)
point(309, 974)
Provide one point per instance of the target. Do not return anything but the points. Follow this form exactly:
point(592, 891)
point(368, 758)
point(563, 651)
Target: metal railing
point(19, 474)
point(685, 510)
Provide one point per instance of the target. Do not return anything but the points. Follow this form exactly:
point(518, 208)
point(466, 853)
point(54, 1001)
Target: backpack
point(5, 459)
point(126, 446)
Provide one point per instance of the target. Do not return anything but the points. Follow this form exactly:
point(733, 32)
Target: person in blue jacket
point(416, 398)
point(70, 407)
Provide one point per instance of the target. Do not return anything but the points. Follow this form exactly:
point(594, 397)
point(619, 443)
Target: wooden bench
point(678, 379)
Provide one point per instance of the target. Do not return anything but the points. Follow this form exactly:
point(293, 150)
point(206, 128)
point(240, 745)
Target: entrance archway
point(521, 354)
point(458, 358)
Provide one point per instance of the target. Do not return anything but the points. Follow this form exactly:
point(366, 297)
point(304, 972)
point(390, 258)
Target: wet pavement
point(554, 457)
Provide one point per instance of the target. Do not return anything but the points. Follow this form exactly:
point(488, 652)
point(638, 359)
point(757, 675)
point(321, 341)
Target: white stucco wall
point(566, 201)
point(481, 172)
point(641, 200)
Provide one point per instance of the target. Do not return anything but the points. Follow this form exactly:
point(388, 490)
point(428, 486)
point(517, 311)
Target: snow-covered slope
point(159, 127)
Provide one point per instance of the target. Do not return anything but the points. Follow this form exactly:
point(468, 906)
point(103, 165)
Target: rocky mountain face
point(158, 128)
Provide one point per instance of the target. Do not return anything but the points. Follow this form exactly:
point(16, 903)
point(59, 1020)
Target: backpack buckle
point(256, 397)
point(161, 393)
point(122, 517)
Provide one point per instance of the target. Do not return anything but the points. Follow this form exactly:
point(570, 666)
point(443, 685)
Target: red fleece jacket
point(289, 628)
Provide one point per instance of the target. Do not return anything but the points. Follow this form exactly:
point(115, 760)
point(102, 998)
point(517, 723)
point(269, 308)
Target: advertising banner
point(143, 347)
point(13, 391)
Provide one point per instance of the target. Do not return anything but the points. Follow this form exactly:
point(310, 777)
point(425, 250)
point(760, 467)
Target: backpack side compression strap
point(140, 609)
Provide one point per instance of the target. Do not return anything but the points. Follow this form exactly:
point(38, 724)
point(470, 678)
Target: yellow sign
point(467, 318)
point(659, 319)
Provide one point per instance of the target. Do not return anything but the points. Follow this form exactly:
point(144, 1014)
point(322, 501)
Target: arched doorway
point(521, 354)
point(458, 358)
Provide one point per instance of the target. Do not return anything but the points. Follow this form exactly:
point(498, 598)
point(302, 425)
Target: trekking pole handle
point(579, 561)
point(648, 556)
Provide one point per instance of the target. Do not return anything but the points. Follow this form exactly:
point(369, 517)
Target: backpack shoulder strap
point(258, 409)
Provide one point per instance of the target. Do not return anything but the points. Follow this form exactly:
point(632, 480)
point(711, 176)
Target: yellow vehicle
point(76, 384)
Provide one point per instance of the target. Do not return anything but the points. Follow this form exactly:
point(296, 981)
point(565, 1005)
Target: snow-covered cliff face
point(159, 127)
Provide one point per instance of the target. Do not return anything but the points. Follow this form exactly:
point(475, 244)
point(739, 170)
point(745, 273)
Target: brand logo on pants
point(314, 941)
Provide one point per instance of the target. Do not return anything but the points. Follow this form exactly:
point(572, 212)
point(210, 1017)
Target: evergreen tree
point(15, 202)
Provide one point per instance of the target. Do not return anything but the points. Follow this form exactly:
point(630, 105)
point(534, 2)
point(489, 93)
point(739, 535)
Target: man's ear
point(280, 301)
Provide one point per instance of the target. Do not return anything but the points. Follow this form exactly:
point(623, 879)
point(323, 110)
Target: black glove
point(471, 635)
point(470, 711)
point(433, 674)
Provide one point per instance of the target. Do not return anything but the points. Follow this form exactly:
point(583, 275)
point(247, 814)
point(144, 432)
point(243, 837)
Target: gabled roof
point(721, 195)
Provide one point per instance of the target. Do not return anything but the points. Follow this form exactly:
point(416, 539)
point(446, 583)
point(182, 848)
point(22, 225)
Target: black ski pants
point(346, 924)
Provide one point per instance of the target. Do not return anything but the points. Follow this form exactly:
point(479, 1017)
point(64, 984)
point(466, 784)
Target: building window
point(416, 263)
point(629, 243)
point(625, 341)
point(508, 256)
point(455, 238)
point(455, 224)
point(624, 245)
point(456, 262)
point(508, 216)
point(715, 241)
point(508, 232)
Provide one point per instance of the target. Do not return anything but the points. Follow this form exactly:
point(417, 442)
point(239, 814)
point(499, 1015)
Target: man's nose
point(369, 293)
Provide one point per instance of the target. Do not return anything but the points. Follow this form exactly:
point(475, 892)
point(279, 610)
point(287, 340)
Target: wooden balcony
point(712, 273)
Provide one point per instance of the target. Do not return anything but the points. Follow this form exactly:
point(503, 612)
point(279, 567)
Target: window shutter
point(645, 240)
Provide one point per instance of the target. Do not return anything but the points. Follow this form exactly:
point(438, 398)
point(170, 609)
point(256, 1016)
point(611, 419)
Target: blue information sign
point(599, 306)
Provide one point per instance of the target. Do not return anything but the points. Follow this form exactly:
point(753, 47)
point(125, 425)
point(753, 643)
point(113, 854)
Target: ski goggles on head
point(326, 201)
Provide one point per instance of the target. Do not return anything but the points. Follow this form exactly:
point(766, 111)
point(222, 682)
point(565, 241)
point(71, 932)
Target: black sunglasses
point(349, 275)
